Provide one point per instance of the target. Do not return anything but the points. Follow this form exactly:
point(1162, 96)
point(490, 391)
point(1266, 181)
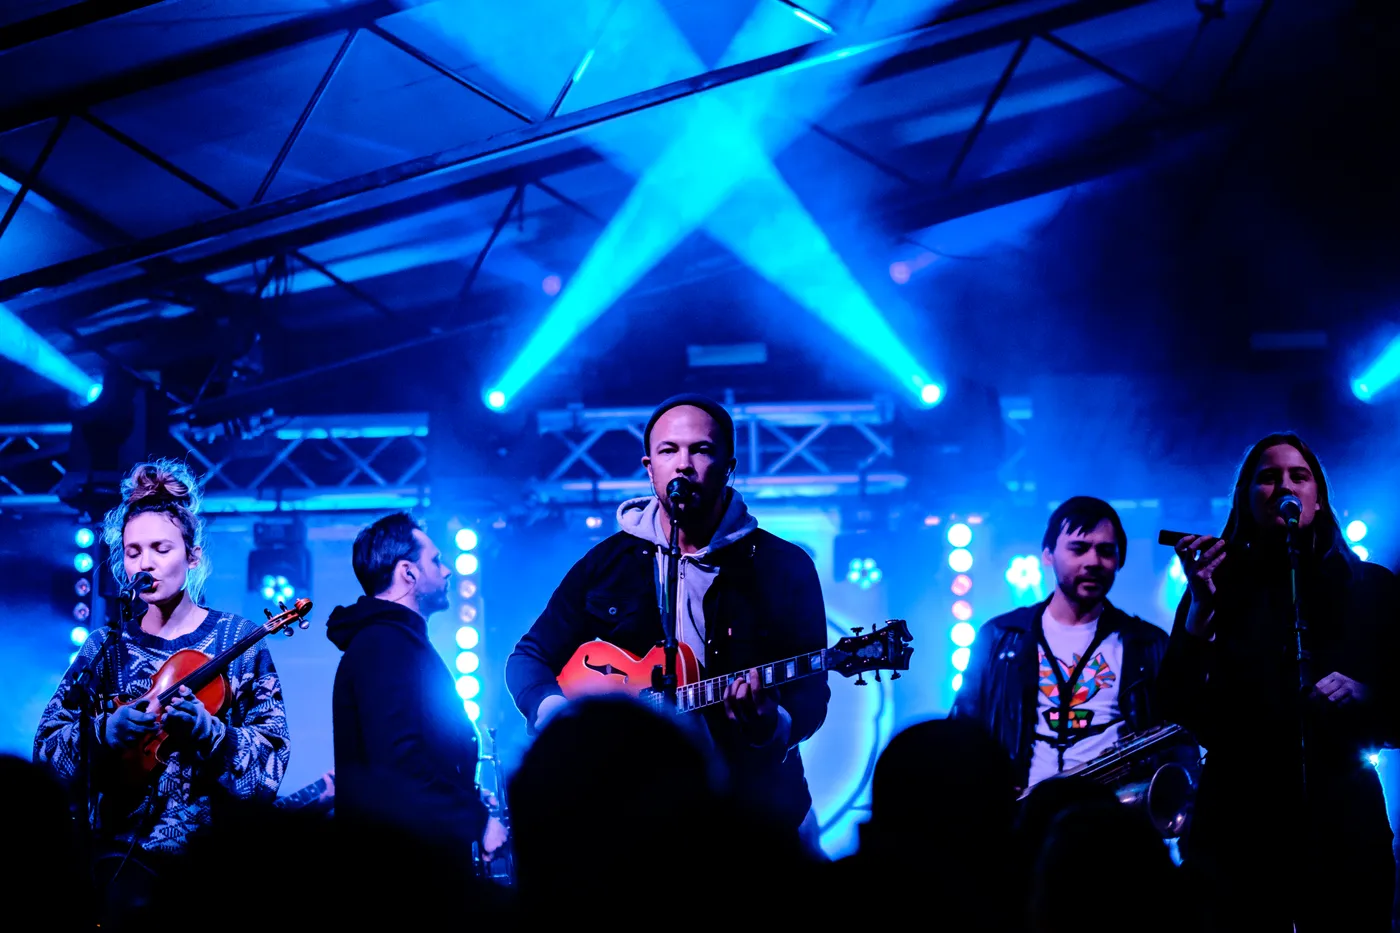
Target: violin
point(207, 679)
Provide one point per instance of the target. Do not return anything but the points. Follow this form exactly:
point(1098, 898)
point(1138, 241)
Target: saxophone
point(1165, 795)
point(501, 867)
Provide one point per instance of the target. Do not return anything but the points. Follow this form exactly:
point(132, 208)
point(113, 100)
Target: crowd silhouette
point(620, 815)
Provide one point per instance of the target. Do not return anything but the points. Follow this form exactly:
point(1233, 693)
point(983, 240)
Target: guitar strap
point(1064, 727)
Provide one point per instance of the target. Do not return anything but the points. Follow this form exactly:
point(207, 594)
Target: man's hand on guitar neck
point(754, 708)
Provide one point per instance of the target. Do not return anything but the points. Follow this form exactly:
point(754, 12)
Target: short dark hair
point(1081, 515)
point(379, 548)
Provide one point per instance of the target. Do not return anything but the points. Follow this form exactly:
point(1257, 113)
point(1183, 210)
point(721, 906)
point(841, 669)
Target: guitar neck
point(710, 691)
point(304, 797)
point(201, 676)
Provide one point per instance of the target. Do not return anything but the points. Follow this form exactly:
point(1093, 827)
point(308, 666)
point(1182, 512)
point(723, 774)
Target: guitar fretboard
point(708, 692)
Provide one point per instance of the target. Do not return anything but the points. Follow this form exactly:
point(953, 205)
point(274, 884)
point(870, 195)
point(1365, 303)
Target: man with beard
point(405, 751)
point(1058, 682)
point(744, 598)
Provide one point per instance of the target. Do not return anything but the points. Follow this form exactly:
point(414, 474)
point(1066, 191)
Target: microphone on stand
point(131, 593)
point(1291, 508)
point(682, 492)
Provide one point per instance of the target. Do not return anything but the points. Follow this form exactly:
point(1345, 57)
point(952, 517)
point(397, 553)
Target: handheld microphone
point(1291, 508)
point(682, 492)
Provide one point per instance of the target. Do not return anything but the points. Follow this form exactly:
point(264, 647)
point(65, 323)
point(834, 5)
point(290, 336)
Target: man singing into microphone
point(744, 598)
point(1282, 846)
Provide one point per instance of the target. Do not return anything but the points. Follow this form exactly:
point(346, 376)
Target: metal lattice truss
point(340, 462)
point(374, 462)
point(31, 464)
point(784, 449)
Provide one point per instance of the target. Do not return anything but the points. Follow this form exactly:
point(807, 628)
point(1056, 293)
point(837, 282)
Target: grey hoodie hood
point(641, 518)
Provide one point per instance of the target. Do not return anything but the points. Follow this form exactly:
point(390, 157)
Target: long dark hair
point(1241, 528)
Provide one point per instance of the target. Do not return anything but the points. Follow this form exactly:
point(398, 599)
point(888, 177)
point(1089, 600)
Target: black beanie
point(708, 405)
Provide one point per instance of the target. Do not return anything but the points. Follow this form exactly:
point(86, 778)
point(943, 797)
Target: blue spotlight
point(809, 18)
point(465, 539)
point(82, 562)
point(496, 399)
point(467, 564)
point(1361, 552)
point(931, 394)
point(1356, 531)
point(19, 342)
point(1384, 370)
point(84, 537)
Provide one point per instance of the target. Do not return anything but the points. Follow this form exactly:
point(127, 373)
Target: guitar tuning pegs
point(288, 631)
point(896, 675)
point(281, 605)
point(857, 630)
point(304, 624)
point(267, 612)
point(877, 676)
point(860, 680)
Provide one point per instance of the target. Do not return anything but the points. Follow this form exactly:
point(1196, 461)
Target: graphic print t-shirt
point(1093, 714)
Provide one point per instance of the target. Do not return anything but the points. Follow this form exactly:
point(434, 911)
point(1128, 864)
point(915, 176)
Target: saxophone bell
point(1165, 798)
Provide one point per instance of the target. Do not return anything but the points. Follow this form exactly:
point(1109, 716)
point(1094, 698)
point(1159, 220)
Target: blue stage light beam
point(722, 144)
point(19, 342)
point(1378, 376)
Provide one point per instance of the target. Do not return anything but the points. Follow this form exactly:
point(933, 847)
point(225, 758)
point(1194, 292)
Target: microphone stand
point(86, 690)
point(1304, 656)
point(669, 646)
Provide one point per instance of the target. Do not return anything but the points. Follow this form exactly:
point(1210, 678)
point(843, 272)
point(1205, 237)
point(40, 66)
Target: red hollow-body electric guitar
point(601, 667)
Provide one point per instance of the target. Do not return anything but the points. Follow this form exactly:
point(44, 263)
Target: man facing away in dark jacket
point(1057, 683)
point(745, 598)
point(405, 751)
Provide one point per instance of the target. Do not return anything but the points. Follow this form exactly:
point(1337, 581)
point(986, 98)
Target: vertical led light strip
point(469, 620)
point(963, 633)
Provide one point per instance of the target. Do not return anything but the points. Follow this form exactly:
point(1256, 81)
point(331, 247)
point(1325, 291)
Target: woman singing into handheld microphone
point(1290, 828)
point(141, 821)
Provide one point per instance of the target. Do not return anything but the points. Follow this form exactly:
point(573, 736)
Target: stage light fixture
point(962, 585)
point(960, 560)
point(78, 635)
point(466, 539)
point(962, 610)
point(473, 709)
point(467, 638)
point(1360, 551)
point(957, 681)
point(1356, 531)
point(82, 562)
point(467, 684)
point(84, 537)
point(279, 565)
point(467, 564)
point(960, 658)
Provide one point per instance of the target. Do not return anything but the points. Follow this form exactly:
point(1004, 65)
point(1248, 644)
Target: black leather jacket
point(1000, 683)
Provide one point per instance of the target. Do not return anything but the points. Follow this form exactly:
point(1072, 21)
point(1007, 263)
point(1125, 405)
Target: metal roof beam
point(198, 61)
point(66, 19)
point(931, 44)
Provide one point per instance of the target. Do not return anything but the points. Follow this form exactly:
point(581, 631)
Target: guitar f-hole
point(607, 670)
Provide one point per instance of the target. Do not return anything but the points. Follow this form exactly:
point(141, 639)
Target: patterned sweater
point(249, 752)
